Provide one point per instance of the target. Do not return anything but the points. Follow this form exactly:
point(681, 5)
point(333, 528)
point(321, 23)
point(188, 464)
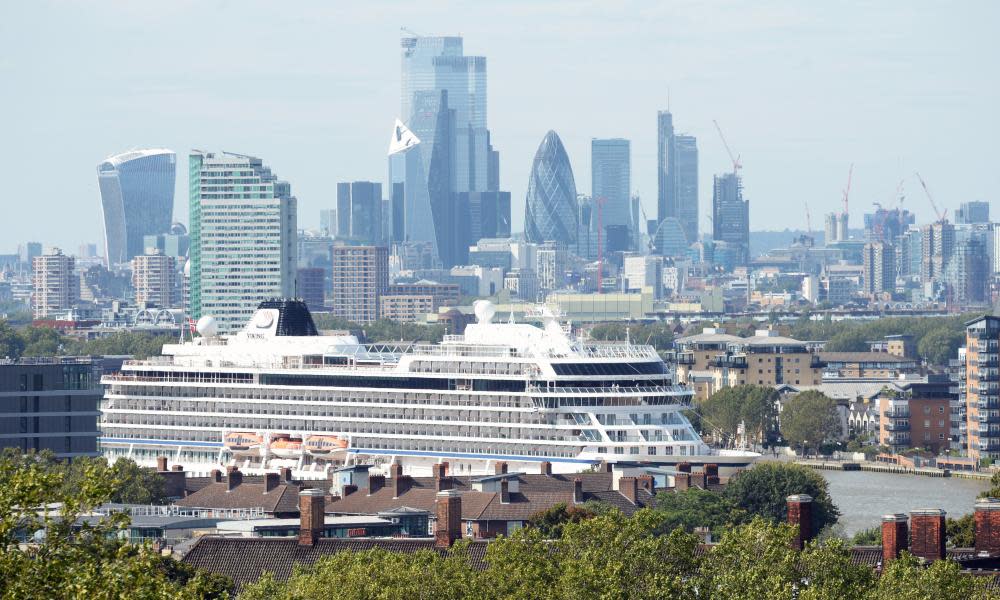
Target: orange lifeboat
point(242, 442)
point(323, 445)
point(286, 447)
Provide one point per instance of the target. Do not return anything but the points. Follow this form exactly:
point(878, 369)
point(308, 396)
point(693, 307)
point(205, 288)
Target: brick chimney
point(375, 483)
point(504, 492)
point(177, 468)
point(927, 533)
point(399, 485)
point(448, 526)
point(233, 478)
point(629, 487)
point(604, 467)
point(577, 491)
point(987, 518)
point(500, 468)
point(174, 484)
point(311, 517)
point(161, 463)
point(682, 481)
point(895, 537)
point(216, 476)
point(441, 481)
point(684, 467)
point(349, 489)
point(546, 468)
point(646, 482)
point(800, 517)
point(286, 474)
point(712, 469)
point(700, 479)
point(271, 481)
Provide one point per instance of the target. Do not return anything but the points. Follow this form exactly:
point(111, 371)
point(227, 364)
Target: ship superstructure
point(279, 394)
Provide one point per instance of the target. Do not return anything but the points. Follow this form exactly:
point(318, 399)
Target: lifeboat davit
point(286, 448)
point(324, 445)
point(242, 442)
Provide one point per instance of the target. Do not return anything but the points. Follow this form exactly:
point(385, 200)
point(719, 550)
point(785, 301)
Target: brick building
point(360, 278)
point(917, 415)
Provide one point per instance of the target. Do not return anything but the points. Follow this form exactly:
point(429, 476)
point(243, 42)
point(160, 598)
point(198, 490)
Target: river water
point(863, 496)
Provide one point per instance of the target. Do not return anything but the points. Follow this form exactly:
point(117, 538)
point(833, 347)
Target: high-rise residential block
point(879, 262)
point(982, 387)
point(137, 199)
point(154, 279)
point(611, 181)
point(731, 216)
point(677, 177)
point(360, 278)
point(970, 213)
point(967, 273)
point(243, 237)
point(56, 284)
point(550, 212)
point(937, 243)
point(359, 212)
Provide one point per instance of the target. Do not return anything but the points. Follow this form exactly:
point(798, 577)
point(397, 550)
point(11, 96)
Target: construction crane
point(942, 216)
point(737, 165)
point(847, 190)
point(410, 32)
point(809, 227)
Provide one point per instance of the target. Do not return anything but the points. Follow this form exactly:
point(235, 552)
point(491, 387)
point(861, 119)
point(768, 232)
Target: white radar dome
point(484, 310)
point(207, 326)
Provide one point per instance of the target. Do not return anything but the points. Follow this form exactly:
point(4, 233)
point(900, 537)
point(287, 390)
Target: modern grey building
point(137, 199)
point(359, 211)
point(731, 216)
point(50, 404)
point(677, 176)
point(550, 211)
point(611, 180)
point(969, 213)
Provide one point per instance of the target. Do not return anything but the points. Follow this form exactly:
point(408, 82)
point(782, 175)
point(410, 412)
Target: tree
point(961, 532)
point(11, 344)
point(550, 522)
point(941, 344)
point(868, 537)
point(694, 508)
point(809, 419)
point(907, 579)
point(751, 406)
point(764, 489)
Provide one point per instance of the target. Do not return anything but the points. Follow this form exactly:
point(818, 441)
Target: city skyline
point(805, 110)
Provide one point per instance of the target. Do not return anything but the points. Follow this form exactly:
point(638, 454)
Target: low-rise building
point(868, 365)
point(916, 415)
point(406, 308)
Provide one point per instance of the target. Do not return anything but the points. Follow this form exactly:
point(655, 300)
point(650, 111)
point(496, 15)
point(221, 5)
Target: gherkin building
point(550, 213)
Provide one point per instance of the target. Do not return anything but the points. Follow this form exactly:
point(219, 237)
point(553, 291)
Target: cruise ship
point(279, 394)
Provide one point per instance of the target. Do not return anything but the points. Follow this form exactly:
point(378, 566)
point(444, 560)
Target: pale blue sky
point(802, 89)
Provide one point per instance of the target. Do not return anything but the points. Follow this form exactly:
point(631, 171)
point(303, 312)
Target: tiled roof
point(282, 499)
point(244, 560)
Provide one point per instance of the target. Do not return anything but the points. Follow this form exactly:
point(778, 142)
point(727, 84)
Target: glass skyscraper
point(243, 237)
point(551, 212)
point(731, 216)
point(137, 199)
point(611, 180)
point(677, 176)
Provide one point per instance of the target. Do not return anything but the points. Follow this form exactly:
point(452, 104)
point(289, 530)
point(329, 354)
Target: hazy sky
point(801, 89)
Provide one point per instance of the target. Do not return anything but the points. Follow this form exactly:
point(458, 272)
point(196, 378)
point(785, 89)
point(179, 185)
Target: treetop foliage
point(46, 341)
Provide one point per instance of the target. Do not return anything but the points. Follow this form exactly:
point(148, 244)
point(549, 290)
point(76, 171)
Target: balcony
point(897, 426)
point(685, 358)
point(897, 413)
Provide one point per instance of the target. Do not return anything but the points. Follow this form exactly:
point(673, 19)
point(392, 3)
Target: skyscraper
point(879, 262)
point(360, 278)
point(970, 213)
point(243, 237)
point(937, 242)
point(137, 199)
point(731, 216)
point(359, 211)
point(154, 279)
point(57, 287)
point(550, 212)
point(611, 180)
point(677, 176)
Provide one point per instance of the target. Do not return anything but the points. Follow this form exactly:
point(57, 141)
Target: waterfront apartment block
point(406, 308)
point(982, 387)
point(918, 416)
point(360, 278)
point(868, 365)
point(50, 404)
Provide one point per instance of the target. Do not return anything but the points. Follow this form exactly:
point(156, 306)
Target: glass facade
point(551, 211)
point(731, 216)
point(137, 199)
point(611, 177)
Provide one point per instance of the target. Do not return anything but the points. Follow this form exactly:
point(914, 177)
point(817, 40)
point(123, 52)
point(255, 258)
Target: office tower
point(311, 283)
point(830, 228)
point(551, 260)
point(638, 225)
point(611, 181)
point(586, 236)
point(550, 212)
point(982, 387)
point(28, 251)
point(481, 215)
point(137, 199)
point(328, 221)
point(243, 237)
point(666, 182)
point(968, 270)
point(359, 212)
point(360, 278)
point(731, 216)
point(154, 279)
point(644, 272)
point(670, 238)
point(87, 250)
point(886, 225)
point(908, 253)
point(175, 243)
point(879, 262)
point(936, 246)
point(57, 286)
point(677, 176)
point(970, 213)
point(995, 255)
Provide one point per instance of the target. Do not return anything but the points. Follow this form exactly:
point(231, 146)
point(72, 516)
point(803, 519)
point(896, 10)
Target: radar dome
point(484, 310)
point(207, 327)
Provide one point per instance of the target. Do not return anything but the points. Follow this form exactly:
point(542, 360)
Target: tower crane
point(809, 228)
point(847, 190)
point(942, 216)
point(410, 31)
point(737, 165)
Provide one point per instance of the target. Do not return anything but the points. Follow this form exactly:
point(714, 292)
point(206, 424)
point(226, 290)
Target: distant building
point(481, 215)
point(887, 225)
point(982, 387)
point(28, 251)
point(154, 277)
point(441, 294)
point(970, 213)
point(50, 404)
point(137, 199)
point(311, 286)
point(359, 212)
point(644, 272)
point(677, 177)
point(731, 216)
point(523, 284)
point(551, 203)
point(243, 237)
point(835, 227)
point(967, 272)
point(406, 308)
point(868, 365)
point(56, 284)
point(611, 181)
point(328, 221)
point(879, 262)
point(937, 245)
point(174, 243)
point(551, 259)
point(360, 278)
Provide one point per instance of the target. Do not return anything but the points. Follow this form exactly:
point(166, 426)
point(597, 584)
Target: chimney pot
point(448, 525)
point(646, 482)
point(987, 523)
point(800, 517)
point(311, 516)
point(271, 481)
point(927, 533)
point(161, 463)
point(895, 537)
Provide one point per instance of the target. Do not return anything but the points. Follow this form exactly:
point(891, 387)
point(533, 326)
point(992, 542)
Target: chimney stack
point(348, 489)
point(396, 475)
point(800, 517)
point(895, 537)
point(441, 481)
point(578, 491)
point(629, 487)
point(271, 482)
point(233, 478)
point(174, 482)
point(448, 526)
point(712, 469)
point(684, 467)
point(161, 463)
point(927, 533)
point(311, 517)
point(682, 481)
point(646, 482)
point(546, 468)
point(500, 468)
point(504, 492)
point(375, 483)
point(216, 476)
point(286, 474)
point(987, 518)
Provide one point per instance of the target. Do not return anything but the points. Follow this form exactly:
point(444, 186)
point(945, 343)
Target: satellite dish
point(207, 327)
point(484, 310)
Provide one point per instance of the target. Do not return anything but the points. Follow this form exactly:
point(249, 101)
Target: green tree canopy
point(764, 489)
point(695, 507)
point(809, 419)
point(750, 405)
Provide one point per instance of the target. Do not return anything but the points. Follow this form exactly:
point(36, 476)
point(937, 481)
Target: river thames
point(863, 496)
